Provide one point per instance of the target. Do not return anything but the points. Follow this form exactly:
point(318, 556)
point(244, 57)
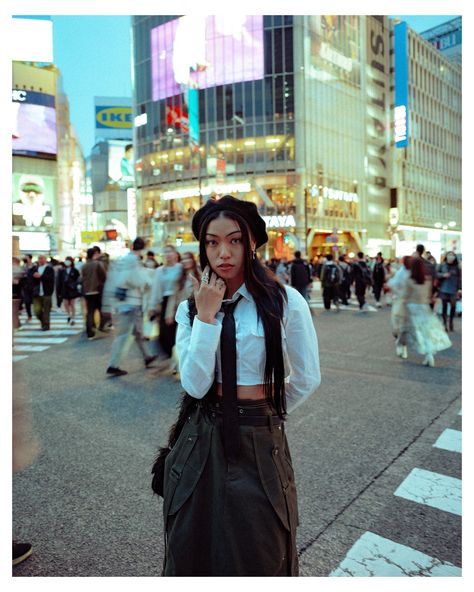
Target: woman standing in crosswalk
point(229, 493)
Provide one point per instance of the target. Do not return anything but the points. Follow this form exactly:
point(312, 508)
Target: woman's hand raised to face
point(208, 295)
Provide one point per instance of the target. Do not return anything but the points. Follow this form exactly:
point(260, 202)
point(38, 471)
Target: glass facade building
point(293, 113)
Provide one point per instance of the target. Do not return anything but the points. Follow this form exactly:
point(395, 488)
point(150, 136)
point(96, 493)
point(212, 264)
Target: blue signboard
point(193, 114)
point(401, 85)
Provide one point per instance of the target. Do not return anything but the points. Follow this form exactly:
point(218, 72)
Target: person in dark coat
point(450, 287)
point(378, 278)
point(362, 279)
point(67, 288)
point(300, 274)
point(43, 289)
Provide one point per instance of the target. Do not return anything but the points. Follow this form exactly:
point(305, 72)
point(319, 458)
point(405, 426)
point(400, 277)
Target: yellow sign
point(92, 236)
point(113, 117)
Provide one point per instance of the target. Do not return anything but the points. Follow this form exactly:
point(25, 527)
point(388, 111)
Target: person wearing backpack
point(362, 279)
point(345, 287)
point(331, 276)
point(300, 275)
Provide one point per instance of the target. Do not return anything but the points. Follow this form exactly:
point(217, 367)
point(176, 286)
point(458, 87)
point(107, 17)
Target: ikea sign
point(113, 117)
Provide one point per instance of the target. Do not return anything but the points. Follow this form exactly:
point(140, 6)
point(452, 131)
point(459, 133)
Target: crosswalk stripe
point(39, 340)
point(38, 332)
point(449, 440)
point(432, 489)
point(373, 555)
point(30, 348)
point(18, 358)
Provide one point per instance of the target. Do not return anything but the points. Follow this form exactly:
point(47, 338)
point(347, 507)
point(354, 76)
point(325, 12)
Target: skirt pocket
point(276, 475)
point(184, 465)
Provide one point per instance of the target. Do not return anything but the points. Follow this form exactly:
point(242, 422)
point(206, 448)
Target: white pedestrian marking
point(449, 440)
point(432, 489)
point(49, 340)
point(373, 555)
point(38, 332)
point(30, 348)
point(18, 358)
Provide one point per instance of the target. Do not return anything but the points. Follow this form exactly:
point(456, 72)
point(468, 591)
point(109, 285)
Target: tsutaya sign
point(280, 221)
point(338, 194)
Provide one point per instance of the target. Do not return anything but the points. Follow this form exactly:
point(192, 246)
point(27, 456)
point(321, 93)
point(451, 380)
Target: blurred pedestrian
point(362, 278)
point(424, 331)
point(18, 276)
point(300, 275)
point(43, 277)
point(67, 288)
point(378, 278)
point(399, 314)
point(28, 285)
point(450, 287)
point(165, 286)
point(345, 287)
point(131, 283)
point(233, 506)
point(282, 271)
point(150, 260)
point(93, 279)
point(430, 271)
point(331, 277)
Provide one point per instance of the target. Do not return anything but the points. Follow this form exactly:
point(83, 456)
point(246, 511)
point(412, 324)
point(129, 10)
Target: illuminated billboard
point(334, 48)
point(401, 85)
point(33, 201)
point(120, 164)
point(33, 123)
point(31, 40)
point(205, 51)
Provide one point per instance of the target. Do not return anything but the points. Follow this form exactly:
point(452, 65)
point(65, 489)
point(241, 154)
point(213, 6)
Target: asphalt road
point(86, 504)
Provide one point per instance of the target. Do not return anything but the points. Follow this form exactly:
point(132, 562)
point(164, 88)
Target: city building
point(447, 38)
point(111, 176)
point(47, 165)
point(291, 112)
point(426, 195)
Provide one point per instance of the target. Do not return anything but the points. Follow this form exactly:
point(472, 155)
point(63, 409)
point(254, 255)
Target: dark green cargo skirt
point(230, 519)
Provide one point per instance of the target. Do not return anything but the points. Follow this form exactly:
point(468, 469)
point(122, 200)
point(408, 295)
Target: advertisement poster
point(33, 201)
point(205, 51)
point(335, 48)
point(33, 123)
point(121, 164)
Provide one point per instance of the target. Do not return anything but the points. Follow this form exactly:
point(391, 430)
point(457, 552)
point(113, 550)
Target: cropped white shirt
point(199, 348)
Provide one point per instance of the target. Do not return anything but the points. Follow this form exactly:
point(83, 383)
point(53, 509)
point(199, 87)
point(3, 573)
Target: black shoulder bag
point(187, 404)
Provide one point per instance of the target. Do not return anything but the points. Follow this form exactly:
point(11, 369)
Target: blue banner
point(401, 85)
point(193, 114)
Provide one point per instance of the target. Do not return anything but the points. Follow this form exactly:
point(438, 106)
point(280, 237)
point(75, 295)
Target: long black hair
point(269, 296)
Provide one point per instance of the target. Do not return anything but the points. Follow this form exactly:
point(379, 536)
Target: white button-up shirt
point(199, 348)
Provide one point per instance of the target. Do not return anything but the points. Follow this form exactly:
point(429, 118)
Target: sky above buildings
point(93, 54)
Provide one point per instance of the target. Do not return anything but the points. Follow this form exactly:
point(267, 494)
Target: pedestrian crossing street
point(374, 555)
point(30, 339)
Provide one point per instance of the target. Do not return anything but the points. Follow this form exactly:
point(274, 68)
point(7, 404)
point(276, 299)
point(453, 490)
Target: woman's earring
point(254, 254)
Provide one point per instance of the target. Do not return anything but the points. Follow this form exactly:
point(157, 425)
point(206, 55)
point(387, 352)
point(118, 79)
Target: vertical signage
point(377, 119)
point(131, 213)
point(193, 115)
point(401, 85)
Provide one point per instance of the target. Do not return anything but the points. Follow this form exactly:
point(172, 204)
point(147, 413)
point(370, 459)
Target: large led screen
point(334, 42)
point(33, 123)
point(205, 51)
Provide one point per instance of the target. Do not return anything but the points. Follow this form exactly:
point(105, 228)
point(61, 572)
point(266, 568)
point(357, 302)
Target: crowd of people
point(137, 296)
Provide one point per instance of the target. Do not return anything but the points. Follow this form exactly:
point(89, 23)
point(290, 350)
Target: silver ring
point(205, 279)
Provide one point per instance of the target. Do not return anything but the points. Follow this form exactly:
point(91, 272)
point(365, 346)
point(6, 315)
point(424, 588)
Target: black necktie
point(230, 417)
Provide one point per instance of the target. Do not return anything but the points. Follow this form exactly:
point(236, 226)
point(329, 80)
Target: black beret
point(246, 209)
